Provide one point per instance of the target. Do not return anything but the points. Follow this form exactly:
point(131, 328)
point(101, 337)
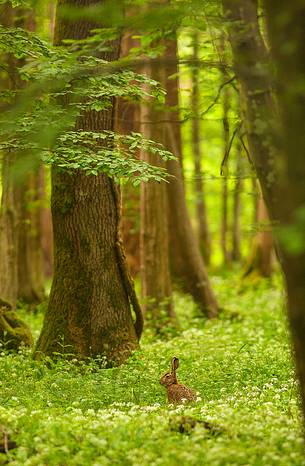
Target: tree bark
point(155, 267)
point(128, 121)
point(89, 311)
point(225, 194)
point(236, 235)
point(277, 140)
point(252, 64)
point(8, 237)
point(187, 262)
point(9, 211)
point(45, 224)
point(29, 255)
point(203, 230)
point(286, 28)
point(21, 270)
point(260, 260)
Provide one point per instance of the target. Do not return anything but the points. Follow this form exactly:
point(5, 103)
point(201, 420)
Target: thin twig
point(241, 137)
point(226, 156)
point(217, 96)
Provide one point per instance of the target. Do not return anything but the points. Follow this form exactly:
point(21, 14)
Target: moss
point(13, 331)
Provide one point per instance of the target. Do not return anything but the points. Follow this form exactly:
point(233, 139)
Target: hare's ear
point(175, 365)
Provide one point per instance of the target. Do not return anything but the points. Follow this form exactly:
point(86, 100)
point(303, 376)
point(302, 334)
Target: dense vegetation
point(66, 413)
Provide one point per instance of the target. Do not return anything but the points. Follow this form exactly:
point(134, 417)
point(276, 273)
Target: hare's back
point(176, 393)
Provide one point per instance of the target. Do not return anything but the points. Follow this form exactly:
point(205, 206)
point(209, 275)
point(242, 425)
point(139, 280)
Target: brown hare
point(176, 392)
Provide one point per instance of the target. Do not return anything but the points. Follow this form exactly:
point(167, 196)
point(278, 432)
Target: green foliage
point(62, 85)
point(21, 43)
point(109, 153)
point(62, 413)
point(16, 3)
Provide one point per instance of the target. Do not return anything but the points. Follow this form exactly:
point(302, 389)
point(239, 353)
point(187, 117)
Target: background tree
point(280, 167)
point(155, 267)
point(236, 221)
point(287, 25)
point(203, 230)
point(225, 190)
point(128, 120)
point(260, 263)
point(21, 269)
point(187, 262)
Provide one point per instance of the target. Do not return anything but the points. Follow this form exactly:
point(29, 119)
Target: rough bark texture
point(155, 267)
point(203, 230)
point(251, 63)
point(89, 311)
point(277, 142)
point(187, 262)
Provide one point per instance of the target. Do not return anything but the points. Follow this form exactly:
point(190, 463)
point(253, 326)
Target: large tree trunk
point(89, 311)
point(291, 72)
point(187, 262)
point(203, 230)
point(278, 150)
point(155, 268)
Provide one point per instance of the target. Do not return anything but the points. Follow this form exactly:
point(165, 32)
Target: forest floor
point(62, 414)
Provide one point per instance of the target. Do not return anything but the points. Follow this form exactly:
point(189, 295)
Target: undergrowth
point(66, 414)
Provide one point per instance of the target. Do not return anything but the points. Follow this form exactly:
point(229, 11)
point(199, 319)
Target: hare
point(176, 392)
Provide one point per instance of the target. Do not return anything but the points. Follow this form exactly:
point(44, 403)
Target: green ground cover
point(62, 414)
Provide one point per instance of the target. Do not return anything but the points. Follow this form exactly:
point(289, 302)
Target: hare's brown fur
point(176, 392)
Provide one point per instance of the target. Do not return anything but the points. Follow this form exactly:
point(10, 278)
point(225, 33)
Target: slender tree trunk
point(236, 235)
point(22, 252)
point(203, 231)
point(225, 193)
point(35, 239)
point(277, 141)
point(45, 225)
point(260, 260)
point(128, 121)
point(187, 262)
point(13, 331)
point(224, 221)
point(8, 237)
point(89, 311)
point(29, 255)
point(155, 268)
point(9, 211)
